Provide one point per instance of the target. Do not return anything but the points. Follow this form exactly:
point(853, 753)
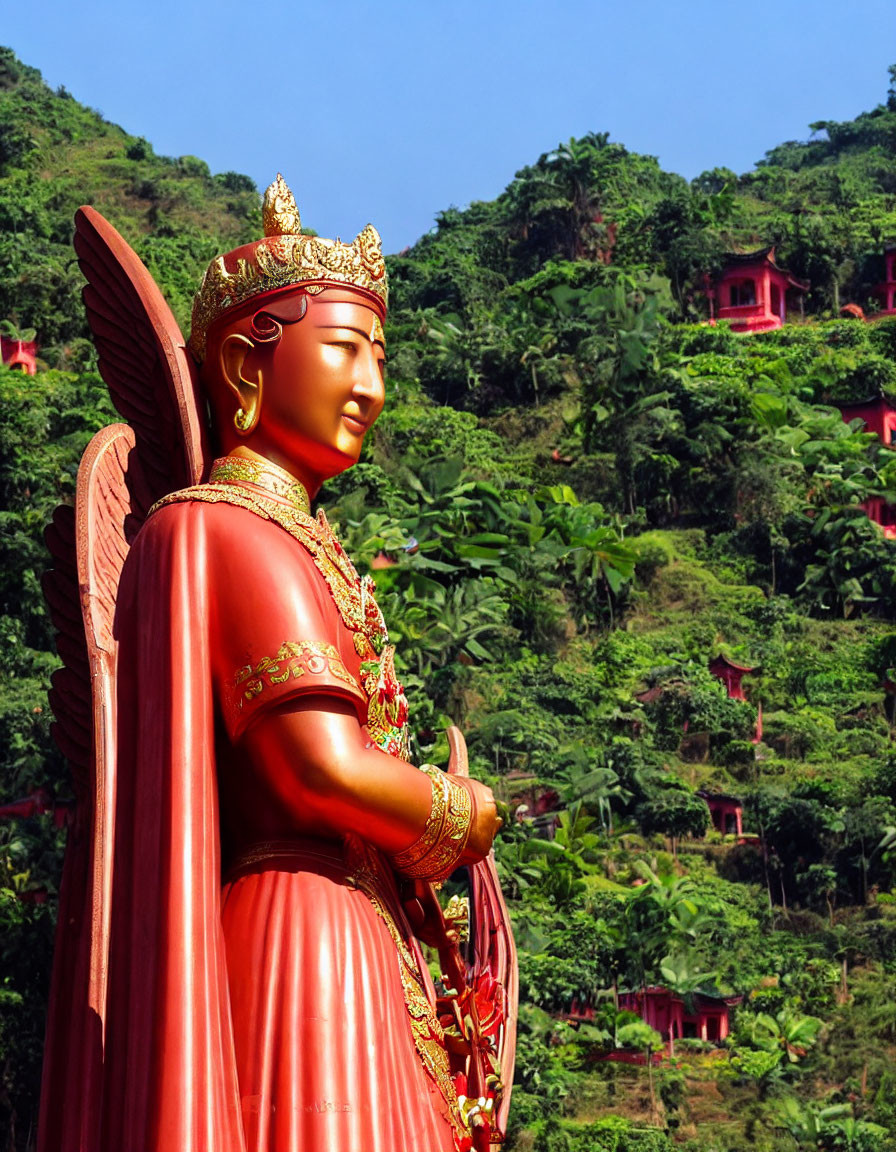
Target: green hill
point(607, 493)
point(55, 155)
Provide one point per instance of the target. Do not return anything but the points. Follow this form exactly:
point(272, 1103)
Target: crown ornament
point(285, 258)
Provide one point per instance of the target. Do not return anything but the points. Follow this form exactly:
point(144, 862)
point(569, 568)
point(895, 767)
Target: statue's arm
point(314, 753)
point(303, 762)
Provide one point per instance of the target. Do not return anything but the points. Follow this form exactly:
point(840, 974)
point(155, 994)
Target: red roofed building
point(731, 675)
point(881, 513)
point(666, 1012)
point(879, 414)
point(699, 1016)
point(726, 812)
point(21, 354)
point(753, 293)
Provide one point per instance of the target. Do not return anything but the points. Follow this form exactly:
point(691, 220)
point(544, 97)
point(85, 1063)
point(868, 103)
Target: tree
point(674, 811)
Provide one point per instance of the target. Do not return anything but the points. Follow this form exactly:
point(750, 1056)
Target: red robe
point(288, 1011)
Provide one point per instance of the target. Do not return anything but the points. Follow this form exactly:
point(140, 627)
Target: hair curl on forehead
point(267, 323)
point(261, 325)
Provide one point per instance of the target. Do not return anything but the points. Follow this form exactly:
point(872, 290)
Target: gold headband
point(285, 257)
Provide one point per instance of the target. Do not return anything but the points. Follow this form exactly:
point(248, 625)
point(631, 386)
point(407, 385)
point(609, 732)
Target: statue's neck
point(303, 476)
point(262, 473)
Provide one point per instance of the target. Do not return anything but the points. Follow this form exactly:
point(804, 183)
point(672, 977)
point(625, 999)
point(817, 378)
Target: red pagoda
point(885, 292)
point(666, 1012)
point(21, 354)
point(753, 293)
point(731, 675)
point(879, 415)
point(700, 1016)
point(726, 812)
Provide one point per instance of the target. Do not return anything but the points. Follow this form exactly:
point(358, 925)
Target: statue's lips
point(355, 423)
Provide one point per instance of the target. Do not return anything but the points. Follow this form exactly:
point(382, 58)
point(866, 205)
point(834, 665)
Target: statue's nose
point(369, 379)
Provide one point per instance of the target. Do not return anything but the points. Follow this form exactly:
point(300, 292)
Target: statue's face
point(323, 385)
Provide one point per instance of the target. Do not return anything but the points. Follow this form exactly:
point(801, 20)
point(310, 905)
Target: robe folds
point(266, 1003)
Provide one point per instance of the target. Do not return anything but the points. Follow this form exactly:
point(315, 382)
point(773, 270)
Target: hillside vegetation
point(606, 492)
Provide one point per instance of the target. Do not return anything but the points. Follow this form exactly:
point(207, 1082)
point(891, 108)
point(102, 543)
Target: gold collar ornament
point(263, 474)
point(286, 257)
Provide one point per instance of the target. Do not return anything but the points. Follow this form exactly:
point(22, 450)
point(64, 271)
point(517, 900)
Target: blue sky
point(390, 112)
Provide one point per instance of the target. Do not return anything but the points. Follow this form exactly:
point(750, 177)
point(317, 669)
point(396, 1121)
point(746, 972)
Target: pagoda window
point(743, 292)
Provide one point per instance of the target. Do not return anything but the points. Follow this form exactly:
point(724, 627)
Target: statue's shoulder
point(229, 517)
point(211, 512)
point(208, 503)
point(203, 494)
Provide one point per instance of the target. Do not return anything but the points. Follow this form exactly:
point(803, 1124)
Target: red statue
point(251, 858)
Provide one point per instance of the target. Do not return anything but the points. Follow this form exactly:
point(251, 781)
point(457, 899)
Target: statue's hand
point(486, 821)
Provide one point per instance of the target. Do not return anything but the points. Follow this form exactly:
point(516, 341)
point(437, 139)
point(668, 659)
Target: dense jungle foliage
point(606, 492)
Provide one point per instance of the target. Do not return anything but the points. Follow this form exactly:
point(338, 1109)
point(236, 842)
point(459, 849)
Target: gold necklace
point(264, 474)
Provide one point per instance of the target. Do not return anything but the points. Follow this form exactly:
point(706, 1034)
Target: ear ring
point(244, 421)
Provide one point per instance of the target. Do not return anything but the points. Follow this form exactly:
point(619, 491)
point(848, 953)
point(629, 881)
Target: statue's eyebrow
point(346, 328)
point(351, 328)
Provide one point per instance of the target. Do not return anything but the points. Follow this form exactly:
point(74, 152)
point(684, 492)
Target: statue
point(252, 860)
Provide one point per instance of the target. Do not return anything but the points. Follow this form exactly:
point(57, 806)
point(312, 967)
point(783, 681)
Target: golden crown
point(283, 258)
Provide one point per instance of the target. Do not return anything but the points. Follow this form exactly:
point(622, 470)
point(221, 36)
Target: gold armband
point(435, 854)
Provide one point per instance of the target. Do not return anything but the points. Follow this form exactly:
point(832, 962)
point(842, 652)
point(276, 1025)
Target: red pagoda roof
point(705, 794)
point(721, 658)
point(880, 398)
point(764, 256)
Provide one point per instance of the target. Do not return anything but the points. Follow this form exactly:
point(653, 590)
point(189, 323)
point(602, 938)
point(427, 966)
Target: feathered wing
point(89, 547)
point(153, 384)
point(151, 377)
point(492, 968)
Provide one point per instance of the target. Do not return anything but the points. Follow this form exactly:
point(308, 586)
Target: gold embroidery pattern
point(236, 469)
point(435, 854)
point(387, 710)
point(353, 596)
point(429, 1036)
point(292, 661)
point(421, 847)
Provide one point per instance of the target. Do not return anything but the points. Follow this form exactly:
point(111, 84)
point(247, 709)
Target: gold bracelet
point(421, 847)
point(435, 854)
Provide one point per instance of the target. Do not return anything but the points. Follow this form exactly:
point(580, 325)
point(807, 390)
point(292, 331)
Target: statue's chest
point(355, 600)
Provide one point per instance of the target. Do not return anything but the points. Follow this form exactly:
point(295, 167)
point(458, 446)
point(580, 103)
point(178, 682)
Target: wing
point(70, 685)
point(151, 377)
point(89, 546)
point(153, 383)
point(491, 965)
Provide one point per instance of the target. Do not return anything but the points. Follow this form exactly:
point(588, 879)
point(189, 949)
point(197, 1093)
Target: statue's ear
point(232, 355)
point(244, 385)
